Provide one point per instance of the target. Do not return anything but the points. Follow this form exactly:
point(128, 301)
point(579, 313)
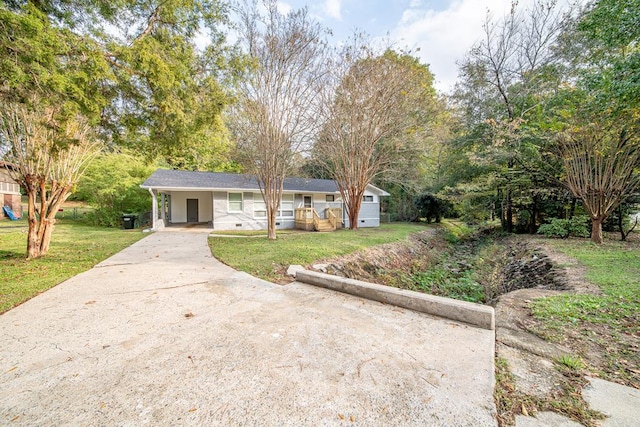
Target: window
point(367, 198)
point(259, 206)
point(235, 202)
point(286, 206)
point(330, 198)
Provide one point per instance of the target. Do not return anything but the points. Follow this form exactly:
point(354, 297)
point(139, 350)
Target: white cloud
point(333, 8)
point(445, 36)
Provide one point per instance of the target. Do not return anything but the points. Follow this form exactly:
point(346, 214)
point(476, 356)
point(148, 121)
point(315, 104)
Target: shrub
point(563, 228)
point(431, 207)
point(111, 185)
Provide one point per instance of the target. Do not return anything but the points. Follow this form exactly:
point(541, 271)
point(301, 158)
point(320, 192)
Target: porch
point(308, 219)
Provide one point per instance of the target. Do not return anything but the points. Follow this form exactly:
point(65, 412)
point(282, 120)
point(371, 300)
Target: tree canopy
point(131, 67)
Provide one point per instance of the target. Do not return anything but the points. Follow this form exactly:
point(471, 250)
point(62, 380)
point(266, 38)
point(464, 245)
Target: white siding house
point(233, 201)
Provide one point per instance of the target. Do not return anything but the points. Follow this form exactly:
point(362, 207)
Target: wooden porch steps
point(324, 225)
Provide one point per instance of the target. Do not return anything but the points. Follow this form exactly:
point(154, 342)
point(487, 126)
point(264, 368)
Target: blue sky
point(442, 30)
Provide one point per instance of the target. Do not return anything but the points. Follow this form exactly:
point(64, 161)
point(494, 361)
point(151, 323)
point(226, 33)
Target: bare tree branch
point(273, 118)
point(601, 162)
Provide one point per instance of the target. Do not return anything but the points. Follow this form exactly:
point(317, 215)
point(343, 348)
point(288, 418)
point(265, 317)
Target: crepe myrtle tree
point(273, 118)
point(601, 160)
point(373, 115)
point(49, 159)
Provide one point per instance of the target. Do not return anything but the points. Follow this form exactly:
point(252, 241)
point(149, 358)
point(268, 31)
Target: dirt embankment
point(387, 264)
point(499, 265)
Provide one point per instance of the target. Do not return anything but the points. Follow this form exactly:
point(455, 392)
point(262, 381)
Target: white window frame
point(330, 196)
point(368, 196)
point(290, 205)
point(229, 202)
point(259, 206)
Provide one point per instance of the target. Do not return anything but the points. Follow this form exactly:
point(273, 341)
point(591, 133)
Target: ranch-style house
point(228, 201)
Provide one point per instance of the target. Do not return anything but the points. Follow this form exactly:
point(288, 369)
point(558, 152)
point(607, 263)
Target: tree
point(273, 118)
point(431, 207)
point(111, 184)
point(50, 157)
point(128, 68)
point(131, 67)
point(375, 113)
point(599, 108)
point(600, 161)
point(504, 79)
point(43, 64)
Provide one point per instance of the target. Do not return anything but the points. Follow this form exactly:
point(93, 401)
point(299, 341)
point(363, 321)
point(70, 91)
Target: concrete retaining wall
point(467, 312)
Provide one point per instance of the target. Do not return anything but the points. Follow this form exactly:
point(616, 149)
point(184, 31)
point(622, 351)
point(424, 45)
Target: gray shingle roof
point(168, 179)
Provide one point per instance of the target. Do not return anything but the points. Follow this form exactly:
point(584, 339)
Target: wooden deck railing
point(308, 218)
point(304, 218)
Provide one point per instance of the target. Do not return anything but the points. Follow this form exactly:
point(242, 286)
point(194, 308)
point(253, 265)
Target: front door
point(307, 201)
point(192, 210)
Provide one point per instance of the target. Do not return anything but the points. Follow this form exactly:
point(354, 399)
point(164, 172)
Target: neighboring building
point(9, 190)
point(233, 202)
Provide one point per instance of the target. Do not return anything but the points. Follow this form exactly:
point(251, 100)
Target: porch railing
point(308, 218)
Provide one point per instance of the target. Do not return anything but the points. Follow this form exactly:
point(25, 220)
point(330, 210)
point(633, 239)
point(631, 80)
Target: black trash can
point(129, 221)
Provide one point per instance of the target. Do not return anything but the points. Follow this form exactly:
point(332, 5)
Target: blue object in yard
point(7, 210)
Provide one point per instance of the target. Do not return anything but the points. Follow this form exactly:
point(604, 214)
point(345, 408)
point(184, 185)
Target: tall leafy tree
point(504, 79)
point(130, 66)
point(129, 69)
point(599, 108)
point(274, 115)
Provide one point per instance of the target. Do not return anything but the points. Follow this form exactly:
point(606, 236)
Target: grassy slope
point(609, 322)
point(263, 258)
point(75, 248)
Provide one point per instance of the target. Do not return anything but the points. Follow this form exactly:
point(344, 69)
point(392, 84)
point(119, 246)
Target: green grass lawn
point(610, 321)
point(267, 259)
point(75, 247)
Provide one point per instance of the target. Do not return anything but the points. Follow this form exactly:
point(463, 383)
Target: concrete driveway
point(163, 334)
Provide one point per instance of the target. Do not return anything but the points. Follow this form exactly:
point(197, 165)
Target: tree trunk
point(271, 226)
point(509, 219)
point(41, 222)
point(353, 208)
point(534, 213)
point(33, 245)
point(596, 230)
point(46, 235)
point(353, 217)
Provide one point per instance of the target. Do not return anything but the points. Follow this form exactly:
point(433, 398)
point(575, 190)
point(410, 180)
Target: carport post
point(154, 210)
point(163, 201)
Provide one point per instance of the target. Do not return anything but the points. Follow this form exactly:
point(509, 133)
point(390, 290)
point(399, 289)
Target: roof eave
point(166, 188)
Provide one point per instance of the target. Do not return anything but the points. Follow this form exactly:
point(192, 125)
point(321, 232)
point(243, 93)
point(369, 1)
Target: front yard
point(269, 260)
point(75, 247)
